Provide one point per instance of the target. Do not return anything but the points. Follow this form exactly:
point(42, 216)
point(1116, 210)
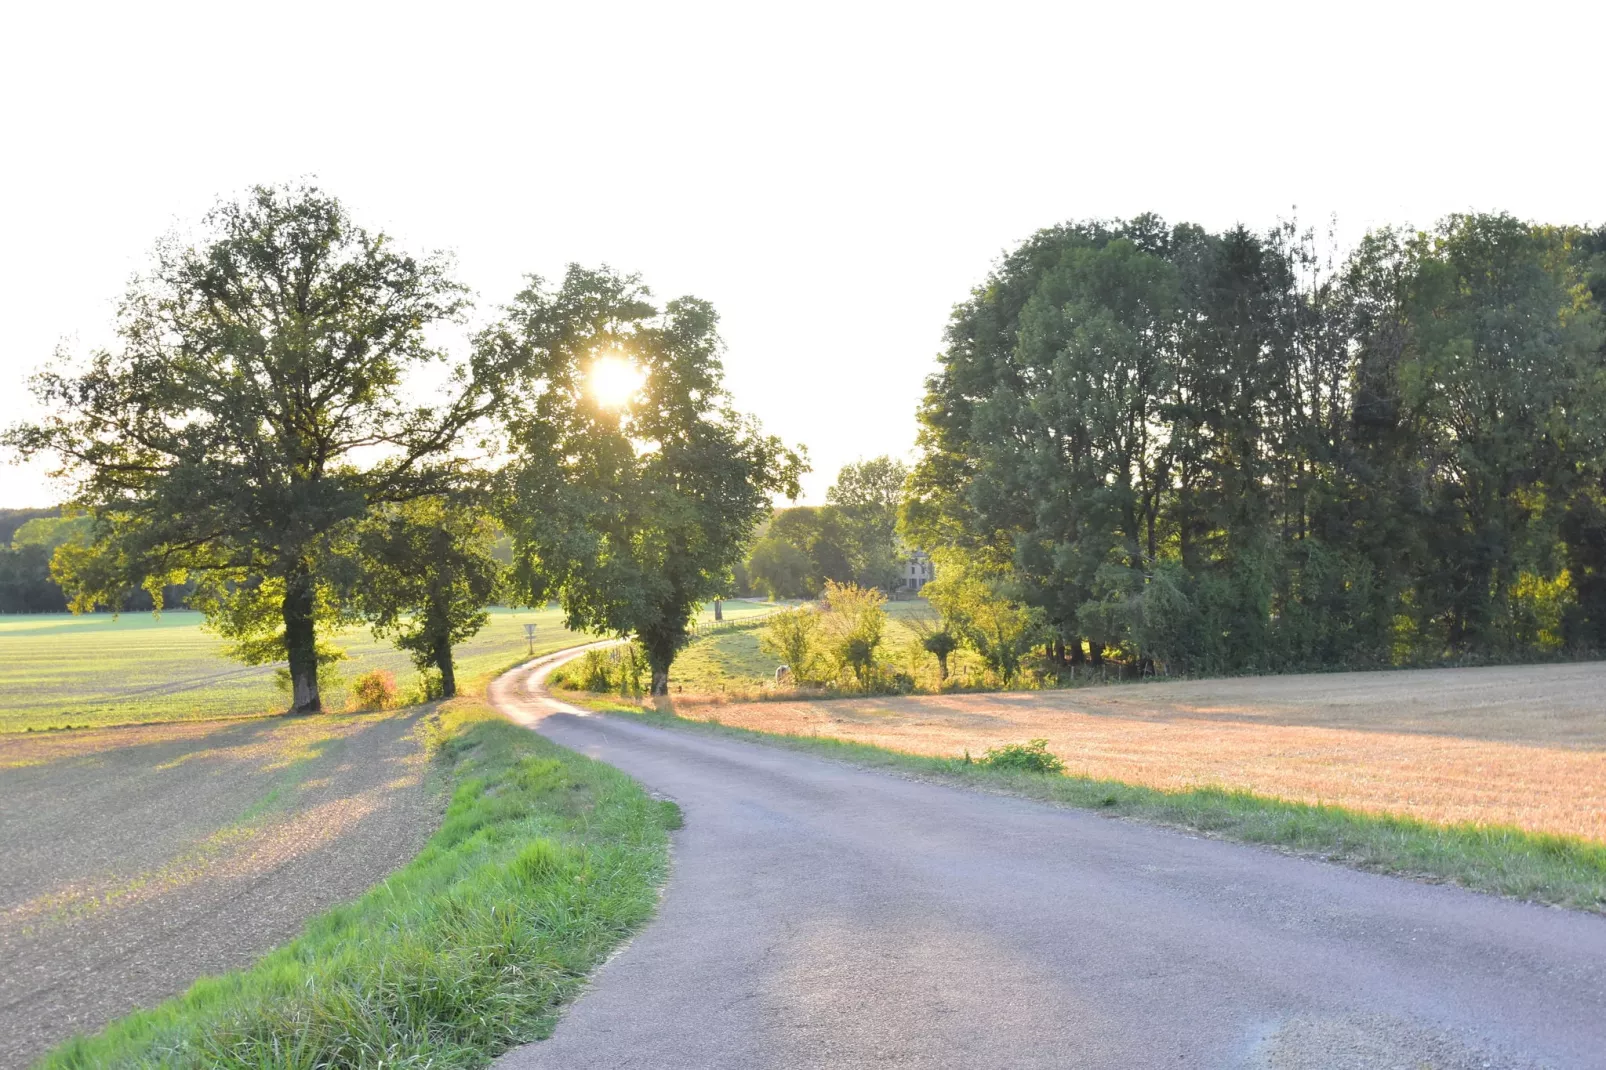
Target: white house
point(917, 570)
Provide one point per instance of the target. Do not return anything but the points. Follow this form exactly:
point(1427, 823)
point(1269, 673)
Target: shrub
point(792, 635)
point(593, 673)
point(375, 690)
point(631, 660)
point(854, 622)
point(1030, 757)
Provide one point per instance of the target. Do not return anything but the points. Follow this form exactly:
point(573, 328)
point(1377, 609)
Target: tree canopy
point(630, 505)
point(1223, 452)
point(257, 401)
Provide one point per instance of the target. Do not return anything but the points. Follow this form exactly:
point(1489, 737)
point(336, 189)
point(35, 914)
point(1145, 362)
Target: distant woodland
point(1229, 452)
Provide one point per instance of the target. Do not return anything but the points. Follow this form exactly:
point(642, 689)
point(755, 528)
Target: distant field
point(1523, 746)
point(57, 669)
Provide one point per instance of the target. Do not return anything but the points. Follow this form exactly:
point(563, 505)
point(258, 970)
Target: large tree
point(633, 486)
point(867, 494)
point(256, 402)
point(1222, 452)
point(425, 571)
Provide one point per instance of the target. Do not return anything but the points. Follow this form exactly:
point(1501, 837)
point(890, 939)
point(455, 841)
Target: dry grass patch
point(1523, 747)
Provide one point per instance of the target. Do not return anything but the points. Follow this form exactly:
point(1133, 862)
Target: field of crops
point(58, 670)
point(1519, 745)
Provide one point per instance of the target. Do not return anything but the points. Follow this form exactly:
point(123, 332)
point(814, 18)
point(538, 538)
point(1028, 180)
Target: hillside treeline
point(1221, 452)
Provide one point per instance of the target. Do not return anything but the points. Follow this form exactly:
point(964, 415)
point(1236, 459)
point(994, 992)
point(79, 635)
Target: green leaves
point(1221, 452)
point(634, 515)
point(256, 403)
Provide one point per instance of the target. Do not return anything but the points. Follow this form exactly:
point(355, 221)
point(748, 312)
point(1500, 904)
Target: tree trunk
point(1095, 653)
point(443, 662)
point(942, 667)
point(301, 641)
point(1077, 654)
point(660, 681)
point(719, 609)
point(1059, 651)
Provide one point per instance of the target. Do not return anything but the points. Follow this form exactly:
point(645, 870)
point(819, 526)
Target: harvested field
point(140, 858)
point(1522, 746)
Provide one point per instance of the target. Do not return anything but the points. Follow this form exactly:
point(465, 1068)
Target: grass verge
point(1557, 870)
point(545, 861)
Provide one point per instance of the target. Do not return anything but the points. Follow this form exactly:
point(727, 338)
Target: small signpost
point(529, 634)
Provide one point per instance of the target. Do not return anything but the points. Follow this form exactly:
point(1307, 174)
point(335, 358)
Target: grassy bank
point(544, 863)
point(1558, 870)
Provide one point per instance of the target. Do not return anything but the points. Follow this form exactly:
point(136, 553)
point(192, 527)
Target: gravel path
point(821, 915)
point(138, 859)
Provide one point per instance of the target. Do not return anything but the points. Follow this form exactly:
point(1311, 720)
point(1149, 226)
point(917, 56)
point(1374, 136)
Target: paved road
point(821, 915)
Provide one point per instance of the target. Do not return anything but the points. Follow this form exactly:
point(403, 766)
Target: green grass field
point(58, 670)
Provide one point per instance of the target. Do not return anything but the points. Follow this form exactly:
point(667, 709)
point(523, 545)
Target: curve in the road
point(822, 915)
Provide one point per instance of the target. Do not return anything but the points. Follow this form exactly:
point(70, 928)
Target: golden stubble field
point(1522, 746)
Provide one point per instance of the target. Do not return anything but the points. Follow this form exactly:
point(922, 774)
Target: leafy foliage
point(426, 570)
point(792, 635)
point(634, 515)
point(375, 690)
point(1032, 757)
point(1222, 452)
point(254, 406)
point(852, 627)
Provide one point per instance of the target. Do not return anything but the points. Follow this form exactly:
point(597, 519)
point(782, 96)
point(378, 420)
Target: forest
point(1234, 452)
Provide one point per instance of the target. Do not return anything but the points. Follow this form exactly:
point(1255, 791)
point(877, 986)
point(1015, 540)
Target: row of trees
point(280, 429)
point(852, 539)
point(1227, 453)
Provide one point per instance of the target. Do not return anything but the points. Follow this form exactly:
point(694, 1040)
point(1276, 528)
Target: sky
point(833, 177)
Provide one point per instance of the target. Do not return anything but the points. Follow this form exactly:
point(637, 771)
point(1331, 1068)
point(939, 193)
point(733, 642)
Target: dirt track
point(1521, 746)
point(138, 859)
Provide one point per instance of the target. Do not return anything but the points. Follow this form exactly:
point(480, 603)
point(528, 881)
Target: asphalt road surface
point(821, 915)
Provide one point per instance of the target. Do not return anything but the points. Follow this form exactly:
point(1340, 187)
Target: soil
point(139, 859)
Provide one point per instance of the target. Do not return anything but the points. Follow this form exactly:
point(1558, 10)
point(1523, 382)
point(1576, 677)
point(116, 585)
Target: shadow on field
point(140, 858)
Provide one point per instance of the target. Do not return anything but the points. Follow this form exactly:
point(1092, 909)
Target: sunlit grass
point(1546, 868)
point(544, 862)
point(58, 670)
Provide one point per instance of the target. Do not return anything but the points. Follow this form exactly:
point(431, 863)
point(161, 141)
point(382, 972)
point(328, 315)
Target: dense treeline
point(1221, 453)
point(852, 539)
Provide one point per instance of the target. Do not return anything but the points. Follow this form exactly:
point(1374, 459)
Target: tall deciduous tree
point(256, 402)
point(631, 504)
point(426, 570)
point(1218, 451)
point(867, 494)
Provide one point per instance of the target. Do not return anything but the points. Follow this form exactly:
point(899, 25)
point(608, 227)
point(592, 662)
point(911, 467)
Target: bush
point(375, 690)
point(594, 672)
point(1030, 757)
point(853, 624)
point(791, 635)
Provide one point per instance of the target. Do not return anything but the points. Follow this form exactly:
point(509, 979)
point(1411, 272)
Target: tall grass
point(544, 862)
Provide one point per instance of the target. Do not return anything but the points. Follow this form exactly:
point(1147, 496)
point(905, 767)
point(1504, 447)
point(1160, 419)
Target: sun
point(614, 380)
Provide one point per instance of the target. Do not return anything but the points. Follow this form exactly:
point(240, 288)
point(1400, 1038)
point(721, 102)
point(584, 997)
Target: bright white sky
point(834, 177)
